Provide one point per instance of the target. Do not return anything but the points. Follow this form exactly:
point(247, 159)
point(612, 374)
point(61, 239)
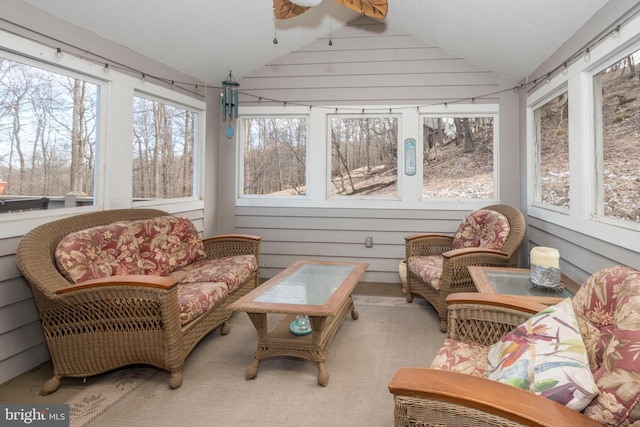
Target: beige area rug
point(389, 334)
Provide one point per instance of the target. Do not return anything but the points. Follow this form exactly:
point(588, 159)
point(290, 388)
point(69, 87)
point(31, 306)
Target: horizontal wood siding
point(368, 63)
point(339, 235)
point(581, 255)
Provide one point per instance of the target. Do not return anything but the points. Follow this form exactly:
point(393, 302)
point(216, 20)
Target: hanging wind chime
point(229, 98)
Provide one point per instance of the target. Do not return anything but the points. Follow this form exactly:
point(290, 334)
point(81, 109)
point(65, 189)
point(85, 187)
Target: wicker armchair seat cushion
point(465, 357)
point(607, 308)
point(427, 268)
point(197, 298)
point(483, 228)
point(233, 271)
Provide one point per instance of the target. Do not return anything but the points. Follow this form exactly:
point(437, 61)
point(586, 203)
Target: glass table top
point(311, 284)
point(519, 283)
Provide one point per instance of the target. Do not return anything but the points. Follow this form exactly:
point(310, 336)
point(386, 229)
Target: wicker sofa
point(131, 286)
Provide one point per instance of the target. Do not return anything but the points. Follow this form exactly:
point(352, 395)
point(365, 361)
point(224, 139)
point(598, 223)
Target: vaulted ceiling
point(204, 38)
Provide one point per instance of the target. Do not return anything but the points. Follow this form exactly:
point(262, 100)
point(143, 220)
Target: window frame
point(482, 110)
point(112, 186)
point(296, 113)
point(409, 188)
point(535, 194)
point(578, 77)
point(198, 152)
point(354, 114)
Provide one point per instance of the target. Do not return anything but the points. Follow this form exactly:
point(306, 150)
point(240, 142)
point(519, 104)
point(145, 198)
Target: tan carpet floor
point(365, 353)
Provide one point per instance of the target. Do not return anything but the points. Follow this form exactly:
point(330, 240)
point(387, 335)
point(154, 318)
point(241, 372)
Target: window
point(617, 90)
point(364, 156)
point(458, 157)
point(48, 134)
point(551, 124)
point(274, 156)
point(164, 150)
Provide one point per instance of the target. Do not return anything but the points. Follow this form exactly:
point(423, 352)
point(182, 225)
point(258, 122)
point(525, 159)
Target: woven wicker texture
point(433, 397)
point(455, 276)
point(98, 328)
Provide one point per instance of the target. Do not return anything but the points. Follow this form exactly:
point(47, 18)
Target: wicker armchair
point(606, 310)
point(103, 324)
point(436, 268)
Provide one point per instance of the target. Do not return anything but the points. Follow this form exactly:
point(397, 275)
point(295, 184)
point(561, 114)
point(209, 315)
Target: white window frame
point(318, 147)
point(295, 113)
point(115, 125)
point(578, 78)
point(399, 163)
point(198, 152)
point(462, 111)
point(534, 192)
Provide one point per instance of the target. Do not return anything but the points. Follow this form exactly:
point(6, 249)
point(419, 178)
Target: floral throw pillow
point(483, 228)
point(547, 356)
point(167, 243)
point(102, 251)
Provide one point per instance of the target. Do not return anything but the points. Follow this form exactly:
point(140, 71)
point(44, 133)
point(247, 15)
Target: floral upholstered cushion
point(607, 307)
point(466, 358)
point(483, 228)
point(428, 268)
point(234, 271)
point(196, 298)
point(546, 355)
point(102, 251)
point(167, 243)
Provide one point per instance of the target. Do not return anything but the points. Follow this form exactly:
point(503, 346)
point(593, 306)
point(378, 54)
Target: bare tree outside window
point(164, 146)
point(275, 156)
point(552, 143)
point(48, 128)
point(617, 122)
point(458, 157)
point(364, 153)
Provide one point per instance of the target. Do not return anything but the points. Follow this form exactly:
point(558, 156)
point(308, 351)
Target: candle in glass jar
point(545, 257)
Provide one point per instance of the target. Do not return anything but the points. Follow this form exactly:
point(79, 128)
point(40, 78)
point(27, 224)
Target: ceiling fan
point(284, 9)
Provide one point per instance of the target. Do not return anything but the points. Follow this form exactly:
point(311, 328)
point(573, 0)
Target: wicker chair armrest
point(485, 318)
point(157, 282)
point(427, 244)
point(491, 399)
point(492, 255)
point(495, 301)
point(227, 245)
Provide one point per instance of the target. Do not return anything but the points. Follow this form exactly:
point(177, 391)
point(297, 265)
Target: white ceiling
point(204, 38)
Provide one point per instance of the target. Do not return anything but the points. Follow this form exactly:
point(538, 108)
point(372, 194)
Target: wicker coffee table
point(321, 290)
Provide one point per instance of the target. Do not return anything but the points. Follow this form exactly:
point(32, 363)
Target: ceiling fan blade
point(284, 9)
point(372, 8)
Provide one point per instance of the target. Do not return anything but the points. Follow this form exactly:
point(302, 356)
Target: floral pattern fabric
point(97, 252)
point(546, 355)
point(607, 307)
point(428, 268)
point(167, 246)
point(167, 243)
point(234, 271)
point(196, 298)
point(466, 358)
point(483, 228)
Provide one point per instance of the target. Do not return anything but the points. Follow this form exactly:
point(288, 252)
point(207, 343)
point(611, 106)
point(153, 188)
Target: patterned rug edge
point(100, 396)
